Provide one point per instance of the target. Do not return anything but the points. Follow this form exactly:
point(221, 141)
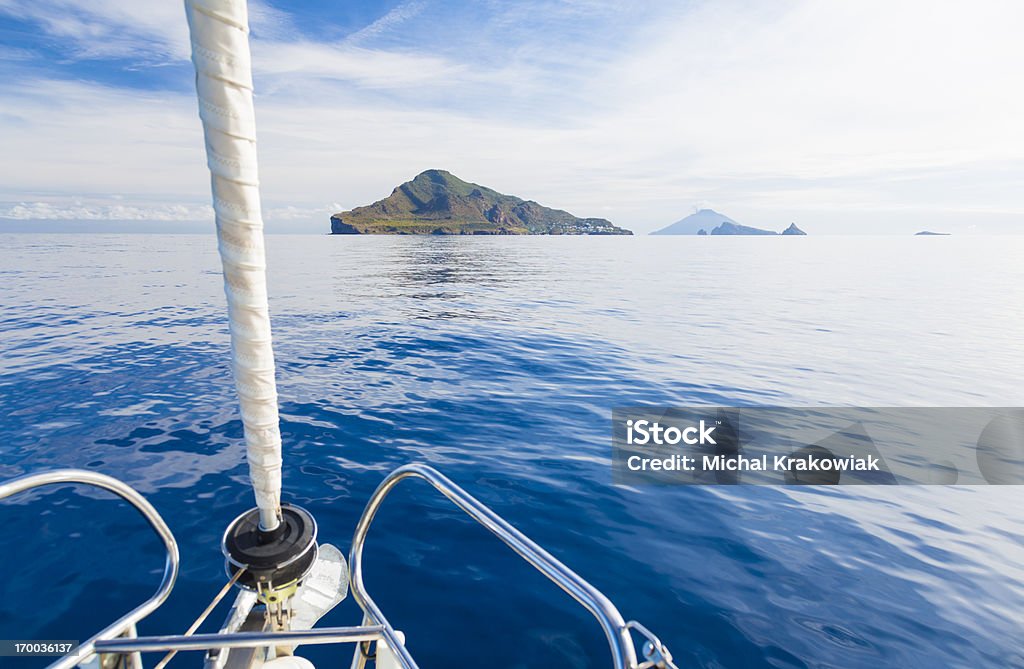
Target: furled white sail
point(220, 53)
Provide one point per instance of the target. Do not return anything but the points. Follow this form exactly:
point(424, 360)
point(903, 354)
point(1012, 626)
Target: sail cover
point(220, 52)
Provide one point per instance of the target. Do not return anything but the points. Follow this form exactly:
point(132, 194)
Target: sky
point(844, 116)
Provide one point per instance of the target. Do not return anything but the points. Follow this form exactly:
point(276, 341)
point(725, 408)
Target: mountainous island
point(437, 202)
point(929, 233)
point(709, 221)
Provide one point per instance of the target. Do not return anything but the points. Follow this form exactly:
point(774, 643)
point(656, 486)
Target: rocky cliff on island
point(737, 229)
point(437, 202)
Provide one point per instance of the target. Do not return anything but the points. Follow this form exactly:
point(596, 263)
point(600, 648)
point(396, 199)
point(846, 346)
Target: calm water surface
point(498, 361)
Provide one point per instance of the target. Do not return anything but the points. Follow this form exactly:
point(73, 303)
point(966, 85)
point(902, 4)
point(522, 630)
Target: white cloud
point(112, 212)
point(280, 63)
point(113, 208)
point(293, 213)
point(825, 89)
point(78, 137)
point(147, 30)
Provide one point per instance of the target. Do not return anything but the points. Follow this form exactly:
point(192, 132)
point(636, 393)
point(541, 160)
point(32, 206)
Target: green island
point(437, 202)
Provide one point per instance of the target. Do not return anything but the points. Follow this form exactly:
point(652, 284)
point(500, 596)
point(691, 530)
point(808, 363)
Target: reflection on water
point(499, 360)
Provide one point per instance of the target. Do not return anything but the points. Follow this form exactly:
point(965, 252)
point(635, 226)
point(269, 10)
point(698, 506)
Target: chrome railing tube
point(619, 639)
point(324, 635)
point(127, 493)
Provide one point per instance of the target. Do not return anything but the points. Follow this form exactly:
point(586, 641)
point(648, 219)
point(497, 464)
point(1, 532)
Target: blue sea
point(498, 361)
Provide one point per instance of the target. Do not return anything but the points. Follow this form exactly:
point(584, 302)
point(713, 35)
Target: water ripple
point(499, 361)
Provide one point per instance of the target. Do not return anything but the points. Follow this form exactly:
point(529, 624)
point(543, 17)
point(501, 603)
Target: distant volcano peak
point(702, 219)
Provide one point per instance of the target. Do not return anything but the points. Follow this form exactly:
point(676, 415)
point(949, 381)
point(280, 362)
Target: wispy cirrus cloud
point(142, 31)
point(391, 20)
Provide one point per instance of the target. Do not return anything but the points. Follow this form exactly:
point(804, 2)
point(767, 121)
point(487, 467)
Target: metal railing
point(127, 493)
point(375, 626)
point(615, 628)
point(160, 644)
